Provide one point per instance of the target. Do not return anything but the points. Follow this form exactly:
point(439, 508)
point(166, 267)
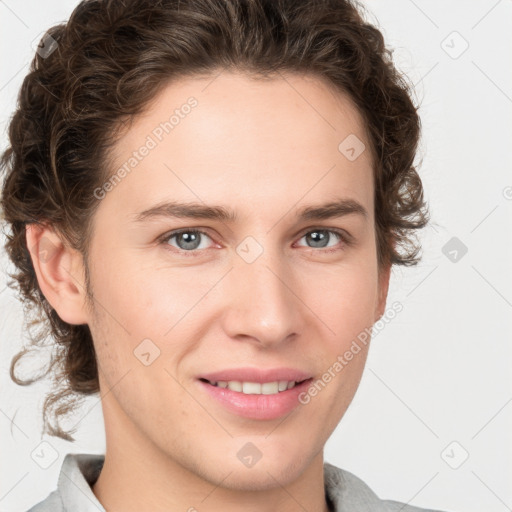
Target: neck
point(138, 475)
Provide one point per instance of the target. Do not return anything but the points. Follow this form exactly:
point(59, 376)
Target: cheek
point(141, 296)
point(154, 313)
point(344, 299)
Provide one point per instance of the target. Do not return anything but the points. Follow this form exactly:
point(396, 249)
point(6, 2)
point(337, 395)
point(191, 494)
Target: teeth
point(255, 388)
point(235, 385)
point(251, 388)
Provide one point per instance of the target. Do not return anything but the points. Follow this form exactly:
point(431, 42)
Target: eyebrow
point(175, 209)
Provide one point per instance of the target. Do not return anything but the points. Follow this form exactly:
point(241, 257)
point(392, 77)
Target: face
point(249, 288)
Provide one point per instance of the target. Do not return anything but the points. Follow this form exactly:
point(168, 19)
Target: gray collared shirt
point(344, 491)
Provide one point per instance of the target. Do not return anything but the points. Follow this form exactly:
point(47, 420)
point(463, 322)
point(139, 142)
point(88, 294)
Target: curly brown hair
point(110, 60)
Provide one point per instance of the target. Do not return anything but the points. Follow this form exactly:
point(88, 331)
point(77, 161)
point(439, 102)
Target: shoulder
point(347, 493)
point(78, 472)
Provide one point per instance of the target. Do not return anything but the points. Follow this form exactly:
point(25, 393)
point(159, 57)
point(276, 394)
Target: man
point(212, 197)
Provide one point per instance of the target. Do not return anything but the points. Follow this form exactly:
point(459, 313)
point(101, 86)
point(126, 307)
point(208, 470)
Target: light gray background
point(440, 371)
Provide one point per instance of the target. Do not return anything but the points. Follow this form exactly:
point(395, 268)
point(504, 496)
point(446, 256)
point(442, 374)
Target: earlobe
point(59, 272)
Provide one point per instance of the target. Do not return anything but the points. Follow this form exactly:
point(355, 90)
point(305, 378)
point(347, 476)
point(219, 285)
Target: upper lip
point(257, 375)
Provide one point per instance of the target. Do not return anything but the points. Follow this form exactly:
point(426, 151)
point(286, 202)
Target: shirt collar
point(78, 473)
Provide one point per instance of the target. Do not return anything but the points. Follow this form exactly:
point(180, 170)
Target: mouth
point(258, 396)
point(255, 388)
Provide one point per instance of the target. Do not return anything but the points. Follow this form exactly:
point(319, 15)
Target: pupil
point(319, 238)
point(190, 239)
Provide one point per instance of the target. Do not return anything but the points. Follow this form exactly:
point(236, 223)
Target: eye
point(321, 238)
point(187, 240)
point(193, 241)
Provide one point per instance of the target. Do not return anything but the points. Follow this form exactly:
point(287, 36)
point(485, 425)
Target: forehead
point(228, 136)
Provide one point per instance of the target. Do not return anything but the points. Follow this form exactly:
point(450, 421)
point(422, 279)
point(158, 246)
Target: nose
point(264, 303)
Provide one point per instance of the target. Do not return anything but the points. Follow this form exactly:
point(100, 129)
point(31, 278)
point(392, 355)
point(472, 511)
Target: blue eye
point(321, 238)
point(191, 242)
point(187, 240)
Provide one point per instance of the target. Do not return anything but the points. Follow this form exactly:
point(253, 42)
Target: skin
point(265, 151)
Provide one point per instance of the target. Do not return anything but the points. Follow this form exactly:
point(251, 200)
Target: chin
point(260, 478)
point(274, 470)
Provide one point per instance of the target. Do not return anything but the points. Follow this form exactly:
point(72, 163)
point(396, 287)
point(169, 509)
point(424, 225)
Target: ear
point(59, 271)
point(384, 275)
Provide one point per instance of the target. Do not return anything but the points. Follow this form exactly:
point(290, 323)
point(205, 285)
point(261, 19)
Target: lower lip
point(257, 407)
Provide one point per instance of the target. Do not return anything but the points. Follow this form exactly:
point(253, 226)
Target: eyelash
point(164, 239)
